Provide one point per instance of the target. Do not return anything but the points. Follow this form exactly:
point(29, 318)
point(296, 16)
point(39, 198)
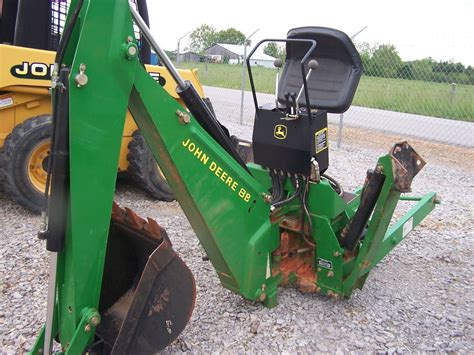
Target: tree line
point(379, 60)
point(383, 60)
point(205, 36)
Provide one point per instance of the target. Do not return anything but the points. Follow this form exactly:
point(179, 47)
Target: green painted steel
point(230, 217)
point(227, 206)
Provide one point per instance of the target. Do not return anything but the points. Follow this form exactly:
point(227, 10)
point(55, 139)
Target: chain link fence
point(427, 99)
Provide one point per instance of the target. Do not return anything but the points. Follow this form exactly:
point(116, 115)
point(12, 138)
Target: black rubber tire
point(144, 171)
point(14, 157)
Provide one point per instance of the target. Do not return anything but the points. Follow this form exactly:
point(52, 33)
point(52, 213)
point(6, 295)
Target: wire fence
point(424, 98)
point(427, 99)
point(425, 87)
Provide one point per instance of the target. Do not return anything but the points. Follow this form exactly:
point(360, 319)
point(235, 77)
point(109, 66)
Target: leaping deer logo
point(280, 131)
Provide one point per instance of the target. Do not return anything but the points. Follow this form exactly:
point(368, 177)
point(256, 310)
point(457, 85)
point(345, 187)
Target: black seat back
point(333, 84)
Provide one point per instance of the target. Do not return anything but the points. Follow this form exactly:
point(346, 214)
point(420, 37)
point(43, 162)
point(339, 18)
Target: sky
point(443, 30)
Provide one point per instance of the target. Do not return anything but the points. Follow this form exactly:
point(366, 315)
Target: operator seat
point(333, 83)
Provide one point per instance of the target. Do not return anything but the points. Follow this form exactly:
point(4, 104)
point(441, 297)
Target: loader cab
point(320, 75)
point(38, 24)
point(32, 23)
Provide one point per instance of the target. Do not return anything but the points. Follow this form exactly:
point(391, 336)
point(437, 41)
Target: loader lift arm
point(253, 247)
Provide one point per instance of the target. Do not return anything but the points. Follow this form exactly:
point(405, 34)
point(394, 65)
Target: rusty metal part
point(296, 261)
point(148, 293)
point(406, 163)
point(148, 227)
point(292, 223)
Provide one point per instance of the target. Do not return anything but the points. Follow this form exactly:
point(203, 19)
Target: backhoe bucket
point(148, 292)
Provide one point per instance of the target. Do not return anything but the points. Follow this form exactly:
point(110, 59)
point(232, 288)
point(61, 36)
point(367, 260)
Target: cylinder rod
point(51, 303)
point(160, 52)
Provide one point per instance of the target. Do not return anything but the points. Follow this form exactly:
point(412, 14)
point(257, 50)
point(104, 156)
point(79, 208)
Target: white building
point(234, 54)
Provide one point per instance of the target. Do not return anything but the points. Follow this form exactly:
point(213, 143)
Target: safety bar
point(305, 58)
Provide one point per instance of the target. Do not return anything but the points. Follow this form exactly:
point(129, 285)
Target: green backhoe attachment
point(116, 285)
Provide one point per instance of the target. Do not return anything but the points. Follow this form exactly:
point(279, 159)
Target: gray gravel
point(418, 299)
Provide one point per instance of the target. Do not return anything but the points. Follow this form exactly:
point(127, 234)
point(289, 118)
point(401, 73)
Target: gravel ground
point(419, 298)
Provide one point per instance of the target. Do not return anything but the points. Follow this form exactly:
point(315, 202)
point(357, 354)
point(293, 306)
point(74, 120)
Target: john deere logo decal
point(280, 131)
point(25, 70)
point(43, 71)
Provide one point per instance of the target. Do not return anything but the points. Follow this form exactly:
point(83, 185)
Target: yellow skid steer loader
point(26, 62)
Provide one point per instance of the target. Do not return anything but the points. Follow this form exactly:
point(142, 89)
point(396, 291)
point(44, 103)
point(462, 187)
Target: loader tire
point(144, 170)
point(24, 162)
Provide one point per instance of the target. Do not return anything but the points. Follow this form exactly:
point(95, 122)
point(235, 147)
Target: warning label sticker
point(325, 263)
point(321, 140)
point(6, 101)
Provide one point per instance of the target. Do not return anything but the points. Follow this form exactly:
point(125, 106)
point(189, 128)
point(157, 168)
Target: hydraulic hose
point(335, 184)
point(292, 197)
point(304, 199)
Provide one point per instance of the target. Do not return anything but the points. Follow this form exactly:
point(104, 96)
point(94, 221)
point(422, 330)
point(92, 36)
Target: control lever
point(287, 101)
point(294, 103)
point(313, 64)
point(278, 64)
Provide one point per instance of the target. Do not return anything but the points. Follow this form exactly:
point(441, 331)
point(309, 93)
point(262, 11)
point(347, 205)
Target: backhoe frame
point(226, 205)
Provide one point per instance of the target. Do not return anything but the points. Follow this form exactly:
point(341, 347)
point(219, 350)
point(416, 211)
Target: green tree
point(230, 36)
point(274, 50)
point(422, 69)
point(386, 61)
point(381, 60)
point(470, 75)
point(365, 52)
point(202, 37)
point(405, 71)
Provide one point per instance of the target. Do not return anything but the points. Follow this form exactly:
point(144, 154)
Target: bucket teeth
point(117, 212)
point(130, 219)
point(133, 219)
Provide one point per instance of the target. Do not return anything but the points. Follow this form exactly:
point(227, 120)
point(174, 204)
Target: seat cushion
point(333, 83)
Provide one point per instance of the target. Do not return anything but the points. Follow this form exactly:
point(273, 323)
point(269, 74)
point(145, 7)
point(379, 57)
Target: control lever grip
point(287, 101)
point(293, 103)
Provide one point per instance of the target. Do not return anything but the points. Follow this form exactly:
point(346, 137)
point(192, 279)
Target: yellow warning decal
point(321, 140)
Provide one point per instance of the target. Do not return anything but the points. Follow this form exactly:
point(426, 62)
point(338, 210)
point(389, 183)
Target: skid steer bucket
point(148, 292)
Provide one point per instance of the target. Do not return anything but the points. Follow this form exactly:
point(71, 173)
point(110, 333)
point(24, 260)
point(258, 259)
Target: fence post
point(243, 85)
point(453, 92)
point(177, 49)
point(339, 130)
point(243, 77)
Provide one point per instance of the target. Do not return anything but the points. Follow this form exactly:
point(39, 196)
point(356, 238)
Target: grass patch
point(410, 96)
